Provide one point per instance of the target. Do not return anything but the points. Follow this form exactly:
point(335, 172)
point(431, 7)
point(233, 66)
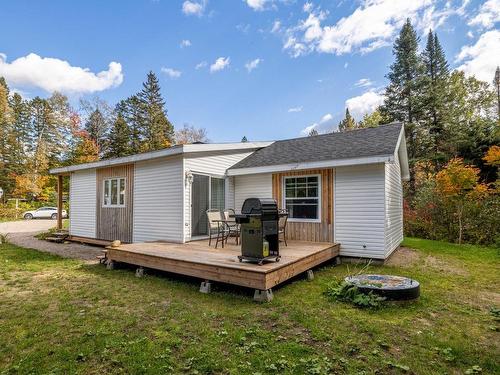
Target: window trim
point(320, 197)
point(103, 203)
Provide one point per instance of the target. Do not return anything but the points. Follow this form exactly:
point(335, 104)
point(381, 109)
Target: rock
point(116, 243)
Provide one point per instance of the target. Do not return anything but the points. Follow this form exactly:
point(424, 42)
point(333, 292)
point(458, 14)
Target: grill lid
point(257, 206)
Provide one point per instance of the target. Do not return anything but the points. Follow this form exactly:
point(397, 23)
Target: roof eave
point(176, 150)
point(311, 165)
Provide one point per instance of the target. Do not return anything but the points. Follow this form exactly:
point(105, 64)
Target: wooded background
point(451, 122)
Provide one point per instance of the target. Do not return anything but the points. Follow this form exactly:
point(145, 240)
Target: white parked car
point(44, 213)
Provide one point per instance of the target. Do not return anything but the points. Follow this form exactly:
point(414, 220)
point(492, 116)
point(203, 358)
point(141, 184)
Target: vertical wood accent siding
point(115, 223)
point(306, 231)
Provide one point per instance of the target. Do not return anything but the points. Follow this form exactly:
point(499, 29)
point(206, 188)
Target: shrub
point(9, 213)
point(345, 292)
point(452, 205)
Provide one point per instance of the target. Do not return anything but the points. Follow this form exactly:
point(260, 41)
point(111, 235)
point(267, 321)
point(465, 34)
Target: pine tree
point(244, 139)
point(434, 93)
point(19, 136)
point(348, 123)
point(130, 109)
point(118, 141)
point(157, 129)
point(6, 181)
point(403, 94)
point(96, 127)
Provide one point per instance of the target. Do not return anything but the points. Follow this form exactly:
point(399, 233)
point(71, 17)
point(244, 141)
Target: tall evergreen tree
point(6, 181)
point(20, 132)
point(402, 95)
point(244, 139)
point(130, 109)
point(434, 94)
point(157, 129)
point(96, 127)
point(118, 142)
point(348, 123)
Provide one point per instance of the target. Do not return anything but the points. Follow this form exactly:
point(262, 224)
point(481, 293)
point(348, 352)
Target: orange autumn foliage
point(458, 180)
point(492, 156)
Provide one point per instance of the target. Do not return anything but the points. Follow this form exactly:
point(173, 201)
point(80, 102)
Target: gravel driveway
point(22, 233)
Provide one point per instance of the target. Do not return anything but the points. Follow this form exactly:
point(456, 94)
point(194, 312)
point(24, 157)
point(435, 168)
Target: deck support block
point(263, 295)
point(139, 272)
point(310, 275)
point(338, 261)
point(206, 287)
point(110, 265)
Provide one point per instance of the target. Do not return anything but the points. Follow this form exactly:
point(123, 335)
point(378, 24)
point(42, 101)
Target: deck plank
point(200, 260)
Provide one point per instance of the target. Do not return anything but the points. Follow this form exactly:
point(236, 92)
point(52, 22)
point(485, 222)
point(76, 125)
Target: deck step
point(55, 239)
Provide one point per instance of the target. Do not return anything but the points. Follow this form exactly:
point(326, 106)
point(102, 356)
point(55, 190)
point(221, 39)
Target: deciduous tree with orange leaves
point(457, 184)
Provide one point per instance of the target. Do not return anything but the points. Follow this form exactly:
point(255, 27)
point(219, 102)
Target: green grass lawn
point(63, 316)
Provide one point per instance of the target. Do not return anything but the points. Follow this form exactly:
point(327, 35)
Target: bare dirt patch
point(444, 266)
point(404, 257)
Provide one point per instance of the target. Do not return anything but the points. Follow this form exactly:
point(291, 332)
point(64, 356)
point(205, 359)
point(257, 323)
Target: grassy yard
point(63, 316)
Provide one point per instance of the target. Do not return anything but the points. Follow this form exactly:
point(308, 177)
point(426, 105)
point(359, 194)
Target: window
point(217, 193)
point(302, 197)
point(114, 192)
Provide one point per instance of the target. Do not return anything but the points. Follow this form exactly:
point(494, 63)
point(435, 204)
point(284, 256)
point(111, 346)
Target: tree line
point(452, 126)
point(42, 133)
point(446, 114)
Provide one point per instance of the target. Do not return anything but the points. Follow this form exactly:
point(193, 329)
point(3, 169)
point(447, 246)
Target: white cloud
point(372, 25)
point(363, 82)
point(470, 34)
point(172, 73)
point(346, 65)
point(185, 43)
point(257, 4)
point(193, 8)
point(295, 109)
point(364, 103)
point(220, 64)
point(488, 14)
point(201, 65)
point(251, 65)
point(276, 26)
point(307, 7)
point(52, 74)
point(325, 124)
point(481, 59)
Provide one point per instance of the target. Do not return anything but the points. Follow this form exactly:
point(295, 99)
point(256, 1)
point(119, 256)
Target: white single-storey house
point(339, 187)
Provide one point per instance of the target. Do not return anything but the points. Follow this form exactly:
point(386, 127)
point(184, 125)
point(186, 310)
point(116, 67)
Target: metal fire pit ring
point(395, 288)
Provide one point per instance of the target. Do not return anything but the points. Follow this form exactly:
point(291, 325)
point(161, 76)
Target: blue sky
point(267, 69)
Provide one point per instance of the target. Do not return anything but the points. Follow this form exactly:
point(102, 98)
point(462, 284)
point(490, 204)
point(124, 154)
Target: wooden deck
point(199, 260)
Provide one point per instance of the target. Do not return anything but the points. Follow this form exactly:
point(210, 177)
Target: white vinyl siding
point(213, 164)
point(359, 217)
point(393, 207)
point(252, 186)
point(82, 200)
point(158, 200)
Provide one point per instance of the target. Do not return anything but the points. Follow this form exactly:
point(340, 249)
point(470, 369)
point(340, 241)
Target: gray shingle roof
point(379, 141)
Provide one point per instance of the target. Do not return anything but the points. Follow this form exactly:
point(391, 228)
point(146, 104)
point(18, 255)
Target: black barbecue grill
point(259, 230)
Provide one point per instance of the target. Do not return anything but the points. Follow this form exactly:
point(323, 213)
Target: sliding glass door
point(206, 193)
